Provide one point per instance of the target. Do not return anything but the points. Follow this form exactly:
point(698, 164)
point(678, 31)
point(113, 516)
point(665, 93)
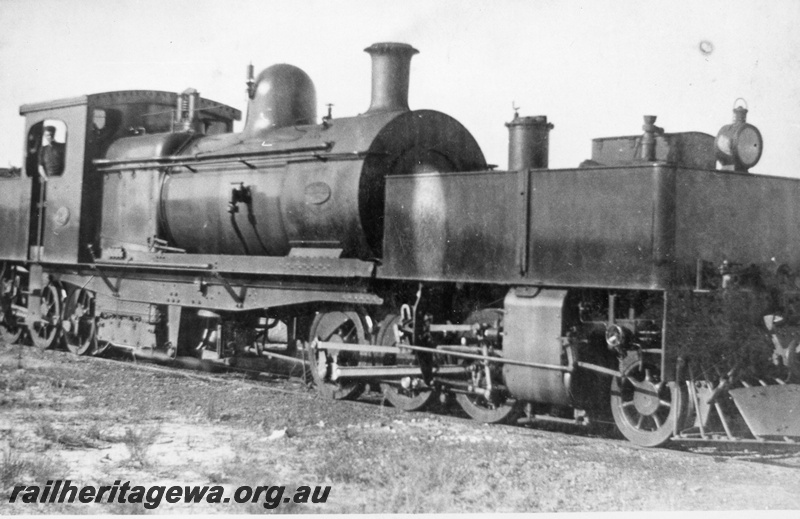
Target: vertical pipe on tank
point(649, 142)
point(391, 64)
point(528, 142)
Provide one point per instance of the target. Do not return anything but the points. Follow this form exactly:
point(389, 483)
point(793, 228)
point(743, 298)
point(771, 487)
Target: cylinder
point(528, 139)
point(391, 65)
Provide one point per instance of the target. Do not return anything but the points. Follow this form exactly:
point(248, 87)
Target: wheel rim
point(499, 407)
point(99, 348)
point(646, 409)
point(45, 330)
point(342, 327)
point(79, 324)
point(12, 324)
point(417, 395)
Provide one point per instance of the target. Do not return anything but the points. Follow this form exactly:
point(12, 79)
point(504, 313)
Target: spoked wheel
point(498, 406)
point(46, 326)
point(410, 394)
point(646, 409)
point(342, 326)
point(79, 325)
point(12, 299)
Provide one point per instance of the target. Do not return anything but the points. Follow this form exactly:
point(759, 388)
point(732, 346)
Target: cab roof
point(109, 99)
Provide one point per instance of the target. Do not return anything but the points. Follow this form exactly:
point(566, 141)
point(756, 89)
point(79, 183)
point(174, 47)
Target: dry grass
point(415, 478)
point(37, 386)
point(261, 464)
point(12, 468)
point(211, 410)
point(17, 468)
point(70, 438)
point(138, 442)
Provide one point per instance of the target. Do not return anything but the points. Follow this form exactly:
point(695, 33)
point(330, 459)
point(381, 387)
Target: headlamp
point(739, 145)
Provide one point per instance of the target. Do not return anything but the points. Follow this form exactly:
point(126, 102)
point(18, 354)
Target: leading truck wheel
point(337, 327)
point(646, 409)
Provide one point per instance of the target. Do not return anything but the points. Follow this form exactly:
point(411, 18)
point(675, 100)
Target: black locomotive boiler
point(644, 286)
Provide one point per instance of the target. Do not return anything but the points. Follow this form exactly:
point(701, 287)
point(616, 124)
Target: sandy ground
point(97, 421)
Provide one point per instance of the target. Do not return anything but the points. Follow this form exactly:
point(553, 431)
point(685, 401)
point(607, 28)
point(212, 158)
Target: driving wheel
point(410, 393)
point(78, 324)
point(497, 406)
point(338, 326)
point(12, 301)
point(45, 328)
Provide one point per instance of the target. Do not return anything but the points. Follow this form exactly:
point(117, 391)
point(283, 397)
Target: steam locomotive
point(644, 286)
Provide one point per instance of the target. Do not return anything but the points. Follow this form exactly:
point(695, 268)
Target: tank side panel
point(457, 226)
point(742, 218)
point(15, 198)
point(600, 227)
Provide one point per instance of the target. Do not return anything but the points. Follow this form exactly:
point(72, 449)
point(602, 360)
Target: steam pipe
point(648, 151)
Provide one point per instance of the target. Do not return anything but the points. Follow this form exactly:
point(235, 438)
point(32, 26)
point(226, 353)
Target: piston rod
point(392, 371)
point(366, 348)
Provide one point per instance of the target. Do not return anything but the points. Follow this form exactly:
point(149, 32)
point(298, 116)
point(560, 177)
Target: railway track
point(298, 383)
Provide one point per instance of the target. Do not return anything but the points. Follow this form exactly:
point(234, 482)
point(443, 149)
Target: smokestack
point(391, 63)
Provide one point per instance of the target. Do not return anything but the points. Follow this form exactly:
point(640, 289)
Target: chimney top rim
point(390, 46)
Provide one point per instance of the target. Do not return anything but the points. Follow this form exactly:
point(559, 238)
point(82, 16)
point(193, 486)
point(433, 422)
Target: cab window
point(46, 153)
point(104, 125)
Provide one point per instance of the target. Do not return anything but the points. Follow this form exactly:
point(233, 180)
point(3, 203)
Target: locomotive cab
point(63, 210)
point(71, 197)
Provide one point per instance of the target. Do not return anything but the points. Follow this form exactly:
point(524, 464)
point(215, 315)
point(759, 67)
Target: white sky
point(593, 67)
